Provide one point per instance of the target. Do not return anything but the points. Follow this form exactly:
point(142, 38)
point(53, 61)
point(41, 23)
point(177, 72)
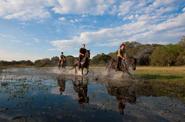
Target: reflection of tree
point(124, 94)
point(61, 83)
point(81, 87)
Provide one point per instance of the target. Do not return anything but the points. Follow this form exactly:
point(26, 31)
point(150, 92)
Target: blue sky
point(35, 29)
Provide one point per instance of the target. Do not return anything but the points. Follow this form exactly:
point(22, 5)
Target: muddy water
point(38, 95)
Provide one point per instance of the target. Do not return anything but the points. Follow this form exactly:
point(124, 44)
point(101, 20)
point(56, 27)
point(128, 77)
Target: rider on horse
point(62, 59)
point(121, 56)
point(82, 52)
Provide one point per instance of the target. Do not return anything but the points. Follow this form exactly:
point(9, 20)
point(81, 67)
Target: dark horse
point(125, 65)
point(62, 63)
point(84, 63)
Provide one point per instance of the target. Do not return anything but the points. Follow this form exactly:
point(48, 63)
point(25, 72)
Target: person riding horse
point(84, 60)
point(121, 57)
point(62, 60)
point(82, 52)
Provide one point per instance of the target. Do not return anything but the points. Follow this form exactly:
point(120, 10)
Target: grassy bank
point(161, 73)
point(163, 81)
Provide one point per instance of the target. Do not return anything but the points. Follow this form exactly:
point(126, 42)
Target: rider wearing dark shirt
point(62, 57)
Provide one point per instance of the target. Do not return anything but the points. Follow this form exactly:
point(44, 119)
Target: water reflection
point(58, 98)
point(61, 83)
point(80, 85)
point(124, 94)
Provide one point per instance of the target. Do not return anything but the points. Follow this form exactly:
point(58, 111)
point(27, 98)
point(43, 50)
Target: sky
point(36, 29)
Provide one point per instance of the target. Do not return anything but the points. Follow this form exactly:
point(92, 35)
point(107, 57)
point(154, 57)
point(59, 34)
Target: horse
point(83, 64)
point(125, 65)
point(62, 63)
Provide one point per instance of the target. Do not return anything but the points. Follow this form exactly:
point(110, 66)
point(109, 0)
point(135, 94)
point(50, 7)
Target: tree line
point(146, 54)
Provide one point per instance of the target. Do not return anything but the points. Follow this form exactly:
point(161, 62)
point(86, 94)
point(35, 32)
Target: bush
point(165, 55)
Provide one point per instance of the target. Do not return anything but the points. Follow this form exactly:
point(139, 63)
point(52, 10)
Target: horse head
point(133, 62)
point(87, 54)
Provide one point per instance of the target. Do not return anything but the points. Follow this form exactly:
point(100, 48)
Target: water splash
point(96, 73)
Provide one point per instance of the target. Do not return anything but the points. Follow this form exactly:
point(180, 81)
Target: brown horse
point(125, 65)
point(62, 63)
point(84, 63)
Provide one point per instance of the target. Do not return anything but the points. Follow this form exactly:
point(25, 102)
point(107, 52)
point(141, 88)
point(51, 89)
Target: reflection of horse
point(61, 83)
point(80, 87)
point(124, 94)
point(129, 62)
point(84, 63)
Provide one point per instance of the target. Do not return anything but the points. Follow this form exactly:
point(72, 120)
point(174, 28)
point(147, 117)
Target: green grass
point(161, 73)
point(163, 81)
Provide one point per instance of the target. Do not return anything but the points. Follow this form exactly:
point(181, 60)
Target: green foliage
point(16, 63)
point(53, 62)
point(165, 55)
point(182, 42)
point(42, 62)
point(100, 59)
point(70, 60)
point(181, 59)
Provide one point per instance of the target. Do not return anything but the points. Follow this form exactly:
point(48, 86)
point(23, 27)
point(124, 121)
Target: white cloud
point(125, 7)
point(41, 9)
point(92, 7)
point(9, 56)
point(24, 9)
point(63, 19)
point(142, 31)
point(183, 9)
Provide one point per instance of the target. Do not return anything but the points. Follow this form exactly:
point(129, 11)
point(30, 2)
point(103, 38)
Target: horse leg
point(75, 70)
point(82, 71)
point(87, 71)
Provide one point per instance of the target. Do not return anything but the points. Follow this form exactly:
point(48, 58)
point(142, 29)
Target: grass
point(161, 73)
point(165, 81)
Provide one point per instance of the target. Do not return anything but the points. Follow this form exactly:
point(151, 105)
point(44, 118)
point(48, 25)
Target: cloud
point(92, 7)
point(124, 8)
point(9, 56)
point(25, 9)
point(40, 9)
point(145, 21)
point(183, 9)
point(142, 31)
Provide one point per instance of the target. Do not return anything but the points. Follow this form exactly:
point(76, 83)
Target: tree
point(181, 59)
point(165, 55)
point(70, 60)
point(100, 59)
point(54, 61)
point(182, 42)
point(42, 62)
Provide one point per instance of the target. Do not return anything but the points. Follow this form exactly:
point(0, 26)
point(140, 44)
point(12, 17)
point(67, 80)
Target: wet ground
point(38, 95)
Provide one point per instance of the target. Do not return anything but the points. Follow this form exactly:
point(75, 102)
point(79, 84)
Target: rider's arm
point(82, 54)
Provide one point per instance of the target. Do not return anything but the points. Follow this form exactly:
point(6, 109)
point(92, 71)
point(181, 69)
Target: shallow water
point(38, 95)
